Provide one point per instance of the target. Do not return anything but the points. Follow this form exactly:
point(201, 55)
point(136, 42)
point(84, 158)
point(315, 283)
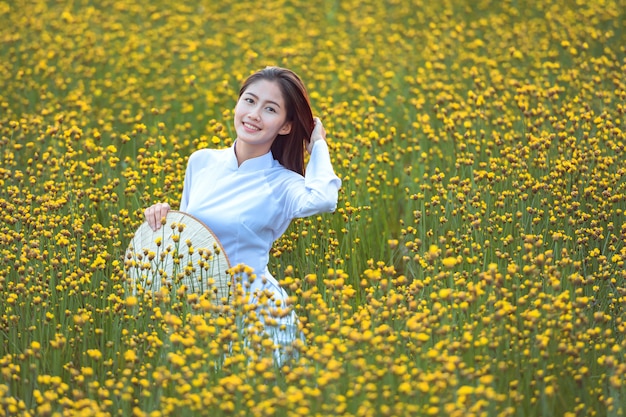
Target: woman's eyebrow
point(257, 97)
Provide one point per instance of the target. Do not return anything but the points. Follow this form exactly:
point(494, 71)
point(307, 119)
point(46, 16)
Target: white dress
point(248, 207)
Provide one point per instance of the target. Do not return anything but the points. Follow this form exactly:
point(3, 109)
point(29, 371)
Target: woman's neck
point(243, 151)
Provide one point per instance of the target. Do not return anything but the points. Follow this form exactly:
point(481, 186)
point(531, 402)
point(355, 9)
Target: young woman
point(249, 193)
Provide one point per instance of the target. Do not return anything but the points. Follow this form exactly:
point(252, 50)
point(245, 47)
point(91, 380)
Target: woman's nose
point(254, 113)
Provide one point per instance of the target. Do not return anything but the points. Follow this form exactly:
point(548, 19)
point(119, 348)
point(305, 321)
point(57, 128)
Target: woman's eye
point(271, 109)
point(249, 100)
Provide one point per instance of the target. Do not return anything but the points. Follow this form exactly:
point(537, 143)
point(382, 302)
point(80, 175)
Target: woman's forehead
point(266, 90)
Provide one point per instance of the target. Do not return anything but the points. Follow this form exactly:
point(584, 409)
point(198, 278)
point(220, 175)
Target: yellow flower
point(131, 301)
point(130, 356)
point(94, 354)
point(449, 262)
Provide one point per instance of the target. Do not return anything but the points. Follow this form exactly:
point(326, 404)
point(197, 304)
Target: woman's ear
point(285, 129)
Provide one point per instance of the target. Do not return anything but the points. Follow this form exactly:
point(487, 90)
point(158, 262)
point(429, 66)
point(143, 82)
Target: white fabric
point(248, 207)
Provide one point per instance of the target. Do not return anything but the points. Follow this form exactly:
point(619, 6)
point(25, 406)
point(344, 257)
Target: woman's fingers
point(319, 133)
point(318, 130)
point(155, 213)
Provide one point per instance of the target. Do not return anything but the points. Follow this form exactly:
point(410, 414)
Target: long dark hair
point(289, 149)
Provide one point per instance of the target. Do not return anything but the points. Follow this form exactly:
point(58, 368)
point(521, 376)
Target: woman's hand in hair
point(155, 213)
point(319, 133)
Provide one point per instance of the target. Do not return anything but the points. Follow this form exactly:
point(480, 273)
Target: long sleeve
point(321, 185)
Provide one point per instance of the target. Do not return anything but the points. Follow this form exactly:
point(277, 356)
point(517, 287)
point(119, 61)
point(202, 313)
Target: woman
point(249, 193)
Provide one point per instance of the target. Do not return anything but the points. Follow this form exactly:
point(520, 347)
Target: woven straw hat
point(184, 251)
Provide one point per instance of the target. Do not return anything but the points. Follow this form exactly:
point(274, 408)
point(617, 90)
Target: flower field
point(475, 265)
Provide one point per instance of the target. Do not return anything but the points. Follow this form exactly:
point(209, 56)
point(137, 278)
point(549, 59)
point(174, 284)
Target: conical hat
point(184, 251)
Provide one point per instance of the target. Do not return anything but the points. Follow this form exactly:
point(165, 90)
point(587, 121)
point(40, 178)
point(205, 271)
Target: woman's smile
point(251, 127)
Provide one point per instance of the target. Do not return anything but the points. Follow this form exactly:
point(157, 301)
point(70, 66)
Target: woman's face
point(260, 115)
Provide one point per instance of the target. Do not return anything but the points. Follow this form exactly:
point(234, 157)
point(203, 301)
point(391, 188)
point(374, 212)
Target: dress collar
point(253, 164)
